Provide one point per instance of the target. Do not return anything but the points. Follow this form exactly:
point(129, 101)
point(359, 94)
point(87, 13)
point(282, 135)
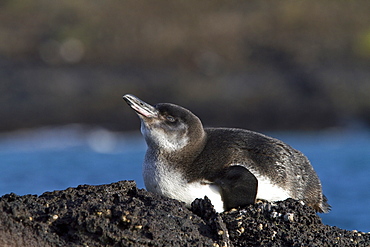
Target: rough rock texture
point(119, 214)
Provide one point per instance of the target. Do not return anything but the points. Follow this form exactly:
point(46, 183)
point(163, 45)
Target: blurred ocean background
point(48, 159)
point(296, 70)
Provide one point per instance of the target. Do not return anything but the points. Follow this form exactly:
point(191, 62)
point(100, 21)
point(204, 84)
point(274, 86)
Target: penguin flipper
point(238, 187)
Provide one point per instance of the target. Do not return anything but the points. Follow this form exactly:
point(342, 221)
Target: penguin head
point(166, 126)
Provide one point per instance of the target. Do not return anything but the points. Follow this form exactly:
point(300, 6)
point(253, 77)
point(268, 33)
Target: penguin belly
point(170, 183)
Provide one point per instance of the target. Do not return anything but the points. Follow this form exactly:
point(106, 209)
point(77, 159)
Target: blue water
point(35, 161)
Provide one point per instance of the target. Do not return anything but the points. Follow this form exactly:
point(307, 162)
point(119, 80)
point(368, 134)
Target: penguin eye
point(170, 118)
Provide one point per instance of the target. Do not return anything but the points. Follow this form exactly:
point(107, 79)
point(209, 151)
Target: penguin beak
point(141, 108)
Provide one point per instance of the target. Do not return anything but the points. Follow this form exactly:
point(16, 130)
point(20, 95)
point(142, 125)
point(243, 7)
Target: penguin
point(232, 167)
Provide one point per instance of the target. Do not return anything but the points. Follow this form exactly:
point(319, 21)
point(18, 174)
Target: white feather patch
point(171, 184)
point(266, 189)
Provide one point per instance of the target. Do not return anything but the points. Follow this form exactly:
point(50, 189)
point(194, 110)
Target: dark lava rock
point(119, 214)
point(286, 223)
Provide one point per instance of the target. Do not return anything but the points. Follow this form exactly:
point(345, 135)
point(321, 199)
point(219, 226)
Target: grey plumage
point(239, 163)
point(272, 158)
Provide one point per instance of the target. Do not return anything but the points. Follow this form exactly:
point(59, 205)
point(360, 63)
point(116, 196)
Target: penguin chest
point(162, 179)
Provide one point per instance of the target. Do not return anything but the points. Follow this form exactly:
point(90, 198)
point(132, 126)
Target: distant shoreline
point(34, 95)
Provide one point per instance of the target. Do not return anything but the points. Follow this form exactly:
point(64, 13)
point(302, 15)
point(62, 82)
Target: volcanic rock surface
point(120, 214)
